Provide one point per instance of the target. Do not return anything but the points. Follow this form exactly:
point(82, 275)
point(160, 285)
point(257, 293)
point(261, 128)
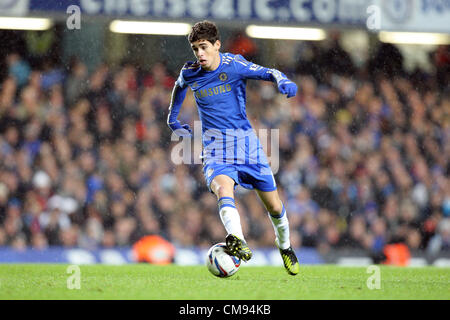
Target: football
point(220, 263)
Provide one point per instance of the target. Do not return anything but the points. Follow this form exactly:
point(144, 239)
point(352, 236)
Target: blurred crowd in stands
point(85, 158)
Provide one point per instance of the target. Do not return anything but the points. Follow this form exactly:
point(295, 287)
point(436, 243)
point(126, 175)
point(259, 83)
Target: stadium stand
point(364, 156)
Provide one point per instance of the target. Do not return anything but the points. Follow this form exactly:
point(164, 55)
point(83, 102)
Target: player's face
point(207, 54)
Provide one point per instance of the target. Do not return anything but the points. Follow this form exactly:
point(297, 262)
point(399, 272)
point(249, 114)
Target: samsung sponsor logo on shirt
point(202, 93)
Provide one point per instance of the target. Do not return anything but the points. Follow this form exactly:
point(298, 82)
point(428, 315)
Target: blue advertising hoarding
point(14, 7)
point(414, 15)
point(351, 12)
point(124, 255)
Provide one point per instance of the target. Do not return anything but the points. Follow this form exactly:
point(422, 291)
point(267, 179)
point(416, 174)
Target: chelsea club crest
point(223, 76)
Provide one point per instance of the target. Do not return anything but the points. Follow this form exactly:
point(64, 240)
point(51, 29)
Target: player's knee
point(274, 207)
point(222, 191)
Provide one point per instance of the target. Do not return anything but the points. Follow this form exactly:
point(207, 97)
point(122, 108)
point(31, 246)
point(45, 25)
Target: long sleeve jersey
point(220, 96)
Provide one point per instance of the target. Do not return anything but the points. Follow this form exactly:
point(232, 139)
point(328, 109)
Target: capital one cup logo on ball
point(220, 263)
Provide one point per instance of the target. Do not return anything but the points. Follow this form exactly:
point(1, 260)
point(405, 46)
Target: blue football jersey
point(220, 95)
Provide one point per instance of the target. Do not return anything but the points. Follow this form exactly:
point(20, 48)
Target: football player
point(232, 154)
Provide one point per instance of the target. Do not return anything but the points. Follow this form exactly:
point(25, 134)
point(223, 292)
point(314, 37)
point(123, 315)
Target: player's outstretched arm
point(251, 70)
point(178, 95)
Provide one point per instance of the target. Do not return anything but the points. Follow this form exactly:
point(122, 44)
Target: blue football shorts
point(250, 176)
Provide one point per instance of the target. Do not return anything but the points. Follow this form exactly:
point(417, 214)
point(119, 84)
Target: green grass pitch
point(143, 281)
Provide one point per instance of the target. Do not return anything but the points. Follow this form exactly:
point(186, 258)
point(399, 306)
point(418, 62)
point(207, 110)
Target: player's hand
point(287, 87)
point(185, 131)
point(181, 130)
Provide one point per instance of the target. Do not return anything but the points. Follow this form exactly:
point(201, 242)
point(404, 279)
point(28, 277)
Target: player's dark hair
point(204, 30)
